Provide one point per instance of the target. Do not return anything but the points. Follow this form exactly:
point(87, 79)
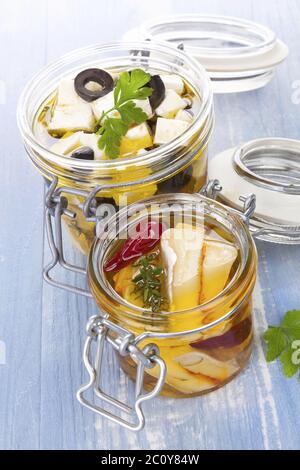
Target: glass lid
point(239, 55)
point(270, 169)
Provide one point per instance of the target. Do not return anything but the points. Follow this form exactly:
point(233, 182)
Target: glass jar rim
point(266, 36)
point(152, 156)
point(272, 163)
point(96, 277)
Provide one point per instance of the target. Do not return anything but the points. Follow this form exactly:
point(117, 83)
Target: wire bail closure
point(56, 206)
point(101, 331)
point(213, 188)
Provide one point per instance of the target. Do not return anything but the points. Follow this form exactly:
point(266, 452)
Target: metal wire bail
point(56, 205)
point(213, 189)
point(102, 331)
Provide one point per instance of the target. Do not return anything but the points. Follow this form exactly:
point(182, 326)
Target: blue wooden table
point(42, 329)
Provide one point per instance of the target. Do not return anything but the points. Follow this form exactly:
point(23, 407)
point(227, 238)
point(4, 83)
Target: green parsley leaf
point(131, 113)
point(283, 343)
point(112, 132)
point(288, 367)
point(276, 343)
point(130, 86)
point(291, 324)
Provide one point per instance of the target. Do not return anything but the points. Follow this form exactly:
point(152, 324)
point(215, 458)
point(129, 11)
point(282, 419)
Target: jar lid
point(239, 55)
point(269, 168)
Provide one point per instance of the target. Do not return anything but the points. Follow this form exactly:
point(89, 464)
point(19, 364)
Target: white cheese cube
point(138, 132)
point(173, 82)
point(77, 117)
point(91, 140)
point(168, 129)
point(103, 104)
point(145, 106)
point(67, 145)
point(170, 105)
point(66, 93)
point(184, 115)
point(71, 113)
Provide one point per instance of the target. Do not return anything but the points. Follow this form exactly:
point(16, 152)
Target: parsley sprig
point(147, 282)
point(130, 86)
point(283, 342)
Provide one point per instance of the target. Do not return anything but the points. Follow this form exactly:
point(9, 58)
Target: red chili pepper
point(133, 248)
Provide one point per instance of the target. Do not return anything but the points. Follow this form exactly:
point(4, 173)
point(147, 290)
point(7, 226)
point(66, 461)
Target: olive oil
point(201, 362)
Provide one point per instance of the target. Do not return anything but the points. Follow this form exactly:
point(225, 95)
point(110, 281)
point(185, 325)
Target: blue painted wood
point(43, 328)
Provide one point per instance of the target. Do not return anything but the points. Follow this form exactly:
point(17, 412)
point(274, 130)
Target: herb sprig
point(147, 282)
point(130, 86)
point(283, 342)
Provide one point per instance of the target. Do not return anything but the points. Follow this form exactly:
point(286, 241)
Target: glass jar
point(270, 169)
point(239, 55)
point(203, 347)
point(180, 166)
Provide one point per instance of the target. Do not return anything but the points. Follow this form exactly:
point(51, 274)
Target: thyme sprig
point(148, 283)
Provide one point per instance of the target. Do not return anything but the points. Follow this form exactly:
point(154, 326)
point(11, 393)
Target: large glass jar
point(203, 347)
point(180, 166)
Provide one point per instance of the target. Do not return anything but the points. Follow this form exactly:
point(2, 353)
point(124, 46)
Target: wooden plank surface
point(42, 329)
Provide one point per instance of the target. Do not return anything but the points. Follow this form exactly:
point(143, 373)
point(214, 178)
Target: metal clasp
point(249, 203)
point(213, 189)
point(56, 206)
point(100, 331)
point(259, 228)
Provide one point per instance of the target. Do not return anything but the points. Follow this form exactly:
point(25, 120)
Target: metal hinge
point(213, 189)
point(100, 331)
point(57, 205)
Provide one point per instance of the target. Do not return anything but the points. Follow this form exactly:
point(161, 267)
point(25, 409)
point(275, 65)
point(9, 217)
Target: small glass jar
point(204, 347)
point(180, 166)
point(270, 169)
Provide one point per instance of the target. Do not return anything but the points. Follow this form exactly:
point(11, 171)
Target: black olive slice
point(176, 182)
point(159, 91)
point(93, 75)
point(84, 153)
